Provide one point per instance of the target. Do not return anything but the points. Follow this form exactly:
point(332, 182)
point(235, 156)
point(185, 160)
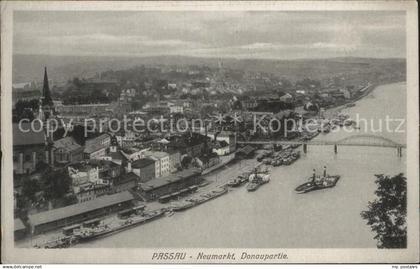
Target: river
point(275, 216)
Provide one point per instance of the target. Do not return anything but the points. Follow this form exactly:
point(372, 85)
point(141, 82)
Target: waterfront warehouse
point(157, 187)
point(60, 217)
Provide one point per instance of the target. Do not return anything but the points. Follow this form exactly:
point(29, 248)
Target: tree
point(29, 188)
point(56, 184)
point(24, 109)
point(387, 213)
point(70, 199)
point(185, 162)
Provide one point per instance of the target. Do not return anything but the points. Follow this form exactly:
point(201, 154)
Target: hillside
point(62, 68)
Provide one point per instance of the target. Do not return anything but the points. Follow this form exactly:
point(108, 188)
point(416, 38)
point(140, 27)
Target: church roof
point(68, 143)
point(23, 138)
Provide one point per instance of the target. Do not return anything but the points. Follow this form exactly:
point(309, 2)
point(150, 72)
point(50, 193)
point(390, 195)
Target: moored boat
point(235, 182)
point(182, 206)
point(208, 196)
point(62, 242)
point(252, 186)
point(87, 234)
point(257, 179)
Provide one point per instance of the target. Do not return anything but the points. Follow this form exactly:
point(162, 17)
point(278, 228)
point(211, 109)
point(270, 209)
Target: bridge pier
point(335, 148)
point(305, 148)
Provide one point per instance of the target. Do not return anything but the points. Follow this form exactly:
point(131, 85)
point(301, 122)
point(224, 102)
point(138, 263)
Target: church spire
point(46, 105)
point(46, 95)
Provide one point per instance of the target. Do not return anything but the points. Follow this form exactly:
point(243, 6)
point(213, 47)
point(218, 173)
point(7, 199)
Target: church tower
point(46, 106)
point(46, 111)
point(114, 144)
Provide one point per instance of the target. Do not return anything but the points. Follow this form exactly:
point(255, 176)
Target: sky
point(235, 34)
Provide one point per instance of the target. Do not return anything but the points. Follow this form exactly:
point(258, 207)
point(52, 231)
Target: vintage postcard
point(209, 132)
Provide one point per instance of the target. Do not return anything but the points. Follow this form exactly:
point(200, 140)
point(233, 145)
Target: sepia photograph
point(211, 132)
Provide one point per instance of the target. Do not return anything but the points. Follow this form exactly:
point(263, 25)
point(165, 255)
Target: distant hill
point(61, 68)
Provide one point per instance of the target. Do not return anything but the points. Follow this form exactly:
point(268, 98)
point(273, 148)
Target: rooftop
point(220, 144)
point(126, 178)
point(100, 137)
point(226, 133)
point(157, 154)
point(163, 141)
point(117, 155)
point(162, 181)
point(77, 209)
point(19, 225)
point(82, 166)
point(133, 150)
point(89, 186)
point(102, 163)
point(93, 148)
point(246, 150)
point(186, 140)
point(68, 143)
point(86, 105)
point(141, 163)
point(22, 138)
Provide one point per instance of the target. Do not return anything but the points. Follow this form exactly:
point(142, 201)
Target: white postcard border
point(143, 255)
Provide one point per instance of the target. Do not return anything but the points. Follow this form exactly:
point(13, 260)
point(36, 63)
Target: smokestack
point(325, 171)
point(313, 175)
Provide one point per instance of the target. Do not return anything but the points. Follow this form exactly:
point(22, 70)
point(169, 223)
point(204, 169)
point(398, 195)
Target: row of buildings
point(107, 173)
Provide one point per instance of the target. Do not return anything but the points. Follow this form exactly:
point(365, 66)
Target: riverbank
point(275, 216)
point(241, 214)
point(230, 169)
point(333, 111)
point(215, 177)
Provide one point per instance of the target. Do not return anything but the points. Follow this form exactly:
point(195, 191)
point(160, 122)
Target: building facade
point(125, 182)
point(174, 160)
point(93, 152)
point(228, 137)
point(66, 150)
point(161, 159)
point(65, 216)
point(144, 168)
point(103, 140)
point(221, 148)
point(29, 149)
point(158, 187)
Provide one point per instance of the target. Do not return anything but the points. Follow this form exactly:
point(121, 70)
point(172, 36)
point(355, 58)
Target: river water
point(275, 216)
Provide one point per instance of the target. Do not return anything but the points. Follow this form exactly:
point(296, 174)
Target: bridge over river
point(363, 140)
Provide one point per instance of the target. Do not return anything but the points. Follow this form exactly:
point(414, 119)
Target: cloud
point(215, 33)
point(126, 40)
